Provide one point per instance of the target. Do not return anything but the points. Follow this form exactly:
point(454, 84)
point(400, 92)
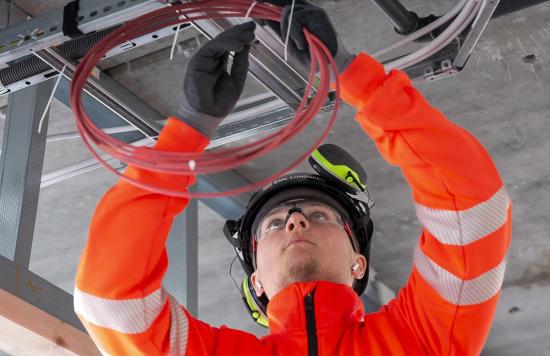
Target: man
point(307, 263)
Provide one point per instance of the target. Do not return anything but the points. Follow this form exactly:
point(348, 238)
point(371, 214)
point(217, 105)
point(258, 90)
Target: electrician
point(304, 241)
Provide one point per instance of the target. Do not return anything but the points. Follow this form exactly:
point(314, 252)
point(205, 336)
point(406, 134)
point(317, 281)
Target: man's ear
point(362, 269)
point(256, 284)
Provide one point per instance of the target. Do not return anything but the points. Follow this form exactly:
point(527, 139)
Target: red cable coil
point(191, 163)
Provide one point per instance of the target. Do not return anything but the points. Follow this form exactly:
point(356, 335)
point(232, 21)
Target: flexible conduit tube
point(452, 35)
point(423, 31)
point(73, 49)
point(458, 25)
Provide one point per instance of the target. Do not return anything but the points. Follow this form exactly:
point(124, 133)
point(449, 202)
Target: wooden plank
point(16, 340)
point(31, 318)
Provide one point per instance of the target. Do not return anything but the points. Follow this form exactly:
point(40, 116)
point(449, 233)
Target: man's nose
point(297, 221)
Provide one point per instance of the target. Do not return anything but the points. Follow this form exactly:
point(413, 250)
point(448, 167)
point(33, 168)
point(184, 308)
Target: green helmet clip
point(339, 167)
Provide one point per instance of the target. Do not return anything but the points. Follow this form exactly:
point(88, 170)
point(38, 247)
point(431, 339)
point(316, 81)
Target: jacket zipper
point(310, 325)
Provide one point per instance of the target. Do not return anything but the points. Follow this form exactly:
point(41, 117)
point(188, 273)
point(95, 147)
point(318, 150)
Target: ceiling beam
point(26, 327)
point(33, 290)
point(21, 164)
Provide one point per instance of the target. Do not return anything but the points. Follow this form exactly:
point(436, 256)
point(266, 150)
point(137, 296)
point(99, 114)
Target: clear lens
point(316, 213)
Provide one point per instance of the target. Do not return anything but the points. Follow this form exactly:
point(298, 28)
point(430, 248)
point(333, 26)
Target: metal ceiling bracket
point(475, 33)
point(452, 59)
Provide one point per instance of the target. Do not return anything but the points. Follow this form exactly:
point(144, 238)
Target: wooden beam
point(58, 334)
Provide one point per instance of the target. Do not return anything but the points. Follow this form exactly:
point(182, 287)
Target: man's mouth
point(296, 241)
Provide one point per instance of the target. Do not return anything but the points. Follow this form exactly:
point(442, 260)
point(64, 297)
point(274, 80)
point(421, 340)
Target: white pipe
point(459, 24)
point(83, 167)
point(459, 29)
point(72, 171)
point(75, 134)
point(423, 31)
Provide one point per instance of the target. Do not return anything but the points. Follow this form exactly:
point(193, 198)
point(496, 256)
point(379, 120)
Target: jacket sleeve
point(118, 293)
point(450, 298)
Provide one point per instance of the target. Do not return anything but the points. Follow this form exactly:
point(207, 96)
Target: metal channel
point(182, 277)
point(242, 129)
point(21, 166)
point(229, 207)
point(97, 90)
point(475, 33)
point(6, 88)
point(226, 134)
point(46, 30)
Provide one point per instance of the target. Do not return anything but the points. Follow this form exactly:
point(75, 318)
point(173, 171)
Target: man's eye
point(318, 216)
point(275, 224)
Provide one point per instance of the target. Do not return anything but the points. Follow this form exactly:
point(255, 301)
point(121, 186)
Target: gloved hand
point(275, 25)
point(316, 20)
point(209, 91)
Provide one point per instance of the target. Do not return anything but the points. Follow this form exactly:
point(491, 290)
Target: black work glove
point(209, 91)
point(316, 20)
point(274, 25)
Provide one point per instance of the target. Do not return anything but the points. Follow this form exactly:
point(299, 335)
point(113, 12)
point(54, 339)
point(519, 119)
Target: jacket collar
point(335, 305)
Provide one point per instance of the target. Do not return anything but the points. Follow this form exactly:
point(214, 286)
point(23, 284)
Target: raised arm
point(118, 293)
point(451, 296)
point(449, 301)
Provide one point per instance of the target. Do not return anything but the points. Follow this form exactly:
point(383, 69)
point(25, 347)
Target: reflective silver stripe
point(463, 227)
point(128, 316)
point(179, 329)
point(101, 351)
point(455, 290)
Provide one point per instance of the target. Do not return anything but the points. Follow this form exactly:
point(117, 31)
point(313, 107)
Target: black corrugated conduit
point(31, 65)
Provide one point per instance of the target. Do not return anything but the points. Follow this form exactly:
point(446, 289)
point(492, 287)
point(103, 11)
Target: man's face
point(309, 244)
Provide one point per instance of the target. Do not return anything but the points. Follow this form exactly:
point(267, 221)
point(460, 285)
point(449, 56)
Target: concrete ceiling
point(502, 97)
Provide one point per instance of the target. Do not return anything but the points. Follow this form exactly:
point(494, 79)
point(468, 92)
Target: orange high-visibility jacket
point(446, 307)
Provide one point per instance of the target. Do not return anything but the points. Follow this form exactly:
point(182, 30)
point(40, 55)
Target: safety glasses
point(317, 214)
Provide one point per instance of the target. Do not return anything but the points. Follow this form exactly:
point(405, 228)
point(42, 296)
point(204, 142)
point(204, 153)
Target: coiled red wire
point(192, 163)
